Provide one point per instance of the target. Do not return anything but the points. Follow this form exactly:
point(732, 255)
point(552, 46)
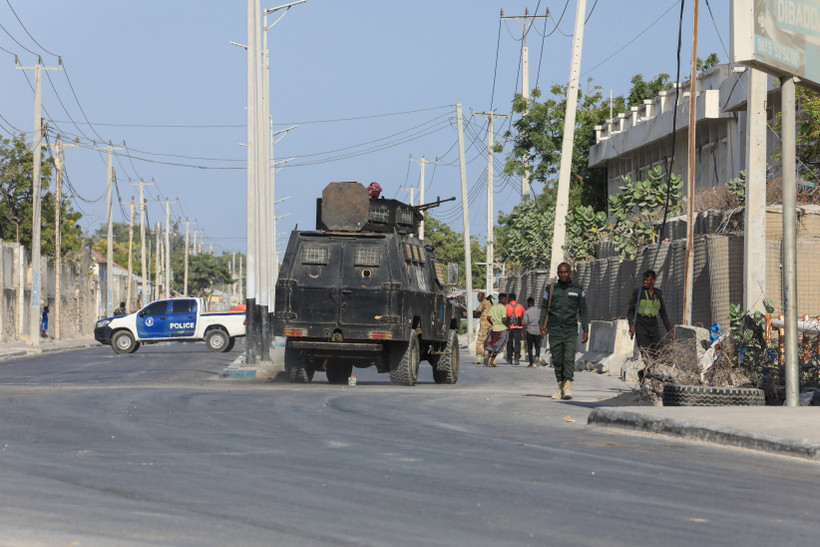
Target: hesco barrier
point(717, 268)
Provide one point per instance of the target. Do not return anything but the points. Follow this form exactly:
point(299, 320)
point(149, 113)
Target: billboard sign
point(781, 37)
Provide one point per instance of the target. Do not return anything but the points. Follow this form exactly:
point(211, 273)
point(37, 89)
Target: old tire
point(676, 395)
point(404, 361)
point(123, 342)
point(296, 367)
point(445, 369)
point(338, 373)
point(217, 340)
point(231, 344)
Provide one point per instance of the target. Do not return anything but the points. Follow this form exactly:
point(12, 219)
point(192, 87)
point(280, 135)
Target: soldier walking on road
point(563, 303)
point(480, 313)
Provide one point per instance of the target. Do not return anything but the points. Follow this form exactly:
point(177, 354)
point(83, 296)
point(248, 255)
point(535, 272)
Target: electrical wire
point(590, 12)
point(495, 70)
point(557, 23)
point(15, 41)
point(619, 50)
point(27, 32)
point(674, 133)
point(714, 23)
point(9, 52)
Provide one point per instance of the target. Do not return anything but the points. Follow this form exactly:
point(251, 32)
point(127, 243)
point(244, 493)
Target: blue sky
point(369, 83)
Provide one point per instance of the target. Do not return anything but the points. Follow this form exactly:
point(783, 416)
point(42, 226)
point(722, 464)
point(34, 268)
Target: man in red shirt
point(515, 321)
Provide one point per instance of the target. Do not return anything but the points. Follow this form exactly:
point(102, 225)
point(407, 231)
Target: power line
point(15, 40)
point(27, 32)
point(633, 39)
point(236, 126)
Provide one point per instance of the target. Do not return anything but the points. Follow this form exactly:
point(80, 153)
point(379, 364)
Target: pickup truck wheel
point(404, 361)
point(445, 370)
point(231, 344)
point(217, 340)
point(338, 373)
point(123, 342)
point(296, 368)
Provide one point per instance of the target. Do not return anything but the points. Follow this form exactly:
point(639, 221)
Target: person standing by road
point(515, 322)
point(44, 323)
point(480, 313)
point(121, 310)
point(496, 339)
point(532, 330)
point(645, 306)
point(563, 303)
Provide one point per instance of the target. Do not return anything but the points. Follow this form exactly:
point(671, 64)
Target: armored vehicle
point(361, 290)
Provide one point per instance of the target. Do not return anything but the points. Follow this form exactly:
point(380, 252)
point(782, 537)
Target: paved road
point(152, 448)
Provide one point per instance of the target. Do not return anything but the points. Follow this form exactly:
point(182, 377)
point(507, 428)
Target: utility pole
point(690, 186)
point(233, 271)
point(167, 255)
point(412, 191)
point(789, 188)
point(526, 22)
point(109, 276)
point(146, 279)
point(185, 282)
point(157, 254)
point(559, 232)
point(131, 205)
point(252, 185)
point(59, 164)
point(468, 261)
point(36, 145)
point(422, 162)
point(754, 210)
point(490, 213)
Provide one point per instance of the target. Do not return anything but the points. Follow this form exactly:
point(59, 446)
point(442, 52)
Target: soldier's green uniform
point(568, 304)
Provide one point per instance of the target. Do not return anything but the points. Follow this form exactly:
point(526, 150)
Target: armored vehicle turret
point(362, 290)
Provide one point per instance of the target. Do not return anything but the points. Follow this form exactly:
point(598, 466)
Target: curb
point(234, 370)
point(610, 417)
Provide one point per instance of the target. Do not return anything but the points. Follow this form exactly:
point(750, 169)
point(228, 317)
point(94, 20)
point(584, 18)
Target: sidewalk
point(781, 430)
point(19, 348)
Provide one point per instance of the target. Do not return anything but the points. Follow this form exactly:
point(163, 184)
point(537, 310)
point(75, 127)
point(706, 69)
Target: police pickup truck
point(175, 319)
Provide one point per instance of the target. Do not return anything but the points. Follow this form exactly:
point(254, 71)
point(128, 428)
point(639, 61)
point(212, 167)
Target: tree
point(119, 231)
point(205, 272)
point(643, 90)
point(449, 248)
point(524, 237)
point(16, 187)
point(539, 135)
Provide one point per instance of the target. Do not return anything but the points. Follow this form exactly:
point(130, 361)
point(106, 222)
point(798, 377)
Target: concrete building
point(634, 142)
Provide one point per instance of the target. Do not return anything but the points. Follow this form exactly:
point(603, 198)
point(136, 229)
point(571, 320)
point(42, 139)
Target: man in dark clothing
point(562, 305)
point(645, 306)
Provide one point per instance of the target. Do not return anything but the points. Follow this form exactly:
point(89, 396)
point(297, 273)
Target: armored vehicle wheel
point(123, 342)
point(338, 373)
point(217, 340)
point(445, 369)
point(297, 370)
point(404, 361)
